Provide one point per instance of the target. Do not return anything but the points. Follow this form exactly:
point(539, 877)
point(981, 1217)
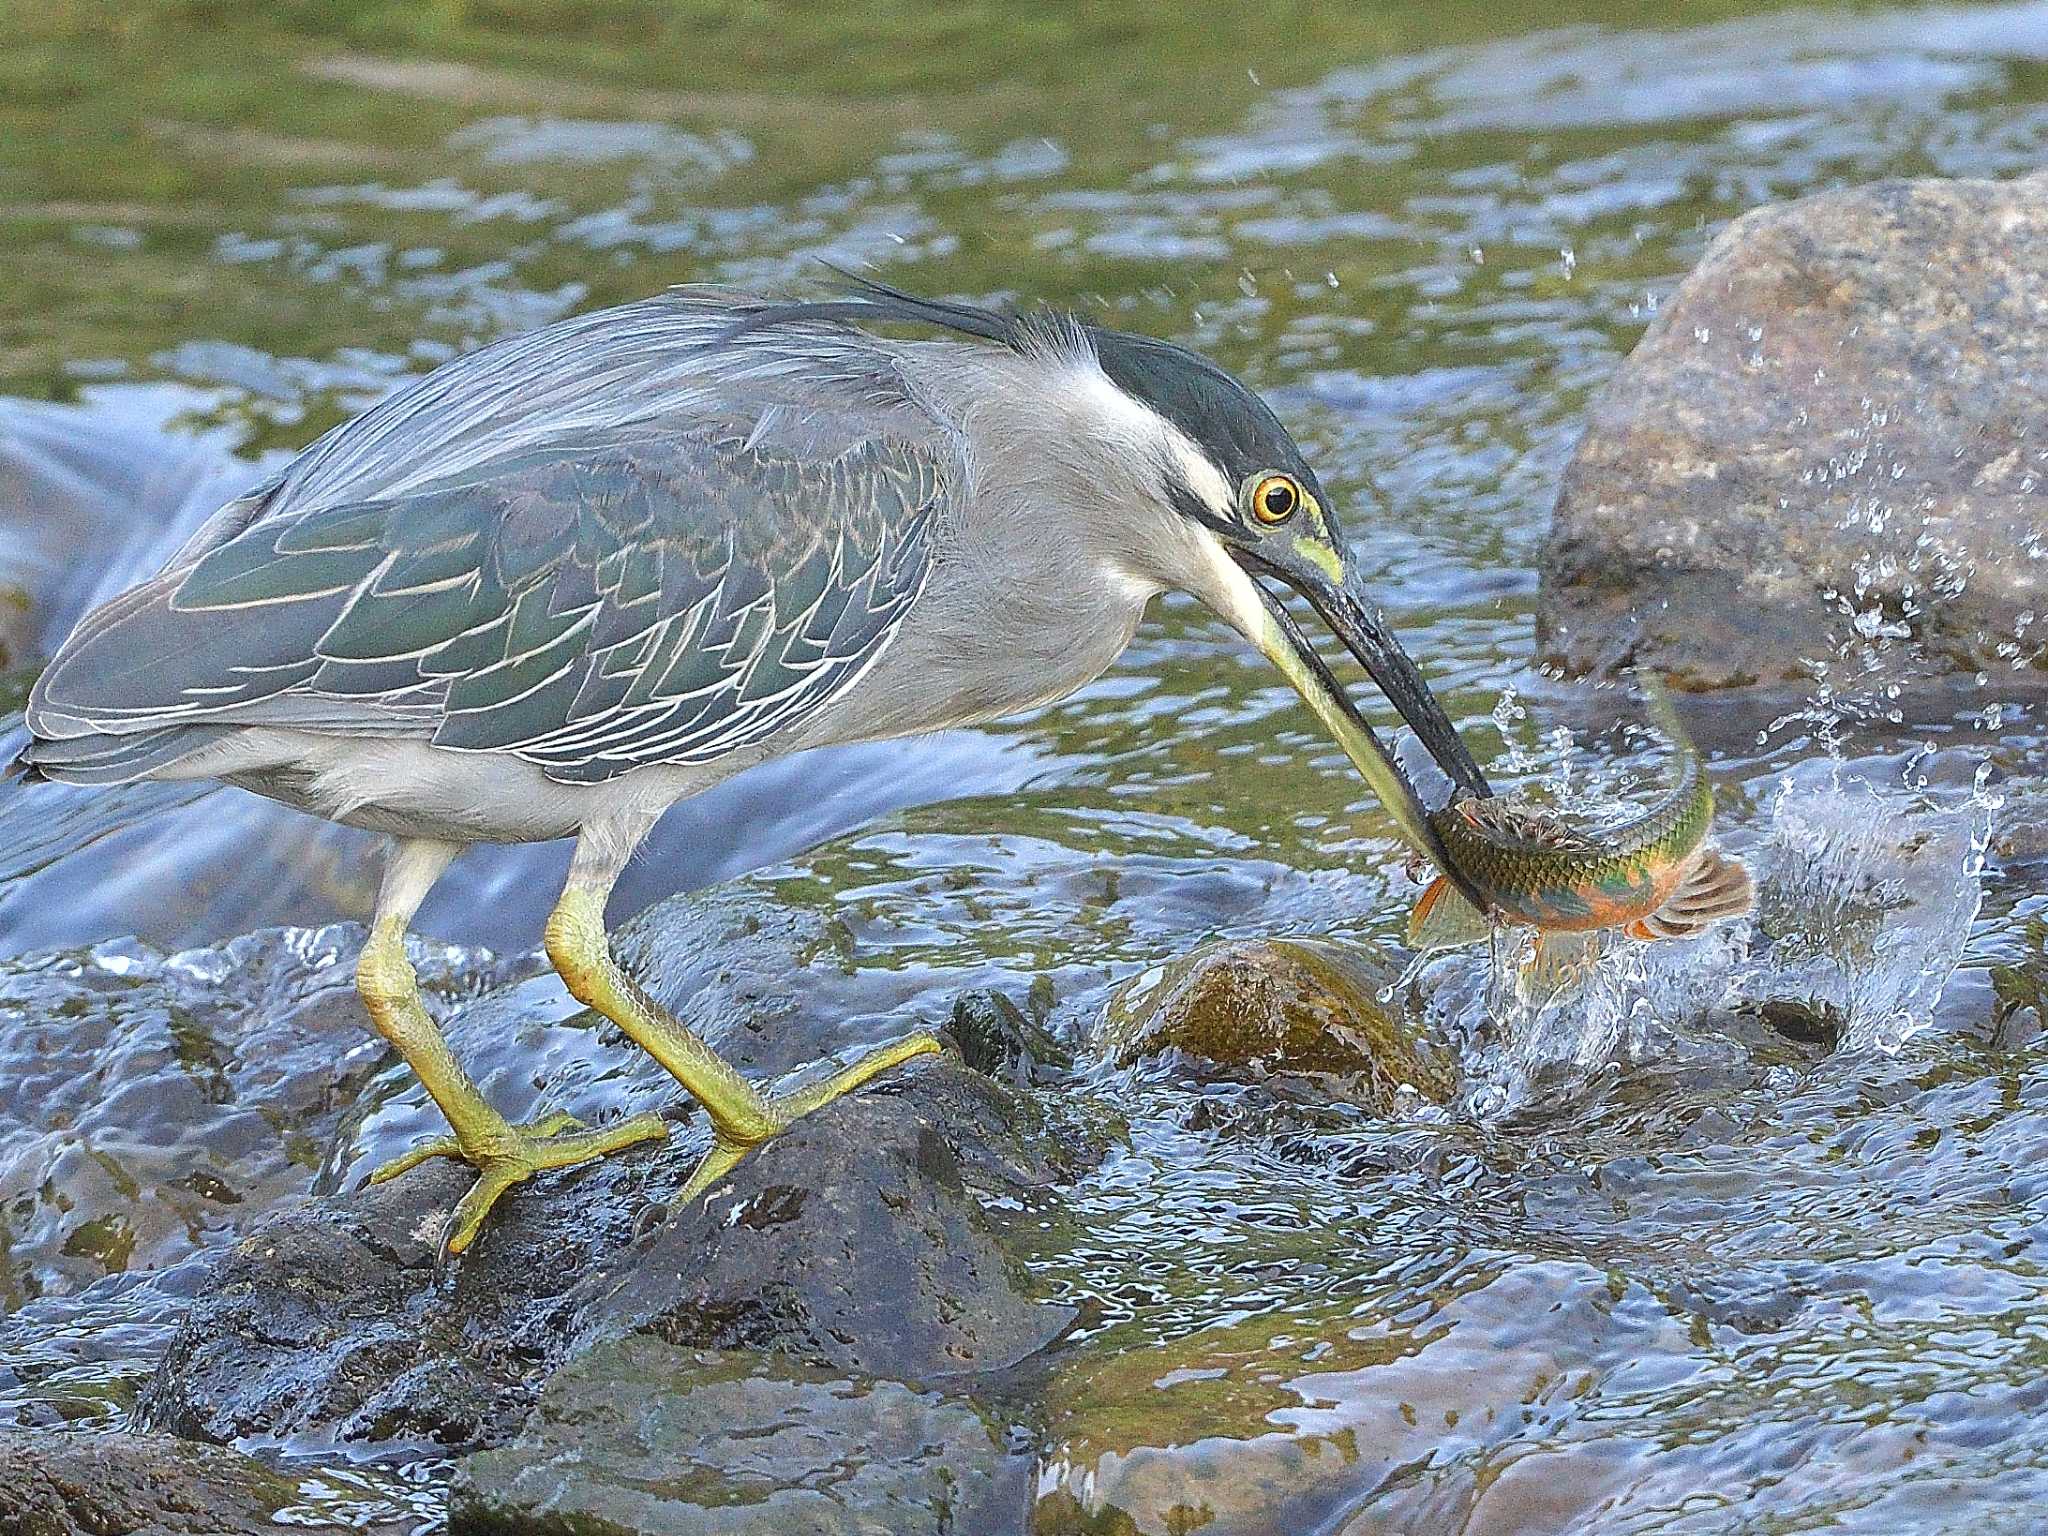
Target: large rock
point(642, 1437)
point(1829, 441)
point(137, 1485)
point(856, 1242)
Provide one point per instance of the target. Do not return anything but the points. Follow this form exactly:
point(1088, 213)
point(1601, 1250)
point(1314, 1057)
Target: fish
point(1654, 877)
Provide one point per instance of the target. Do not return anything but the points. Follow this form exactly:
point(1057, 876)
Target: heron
point(576, 576)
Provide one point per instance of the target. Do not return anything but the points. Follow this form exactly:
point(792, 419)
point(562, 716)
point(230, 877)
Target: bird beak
point(1339, 598)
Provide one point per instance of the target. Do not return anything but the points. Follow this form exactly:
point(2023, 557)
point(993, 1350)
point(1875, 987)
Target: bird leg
point(502, 1153)
point(741, 1116)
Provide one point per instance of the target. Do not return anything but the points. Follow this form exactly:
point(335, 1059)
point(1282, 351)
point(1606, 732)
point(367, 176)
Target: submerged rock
point(1828, 439)
point(642, 1437)
point(1280, 1006)
point(856, 1242)
point(136, 1485)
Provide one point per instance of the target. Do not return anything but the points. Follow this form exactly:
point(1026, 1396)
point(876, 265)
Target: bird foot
point(773, 1116)
point(506, 1154)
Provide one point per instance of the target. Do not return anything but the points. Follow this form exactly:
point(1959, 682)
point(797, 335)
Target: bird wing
point(594, 596)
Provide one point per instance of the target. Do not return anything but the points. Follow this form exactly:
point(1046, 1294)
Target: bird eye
point(1275, 498)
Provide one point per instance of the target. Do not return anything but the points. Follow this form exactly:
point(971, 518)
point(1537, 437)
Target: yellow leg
point(741, 1117)
point(502, 1153)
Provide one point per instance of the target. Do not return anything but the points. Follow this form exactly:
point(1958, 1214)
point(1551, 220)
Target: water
point(1755, 1219)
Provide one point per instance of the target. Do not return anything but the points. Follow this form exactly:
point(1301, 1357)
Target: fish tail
point(1714, 889)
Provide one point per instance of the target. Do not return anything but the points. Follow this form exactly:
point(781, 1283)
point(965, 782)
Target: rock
point(1829, 437)
point(1220, 1432)
point(996, 1038)
point(1252, 1009)
point(1804, 1021)
point(852, 1242)
point(642, 1437)
point(154, 1105)
point(137, 1485)
point(857, 1242)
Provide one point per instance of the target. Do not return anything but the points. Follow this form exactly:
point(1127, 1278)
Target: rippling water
point(1673, 1264)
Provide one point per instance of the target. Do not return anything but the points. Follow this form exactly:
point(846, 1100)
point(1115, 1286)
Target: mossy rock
point(58, 1484)
point(1251, 1009)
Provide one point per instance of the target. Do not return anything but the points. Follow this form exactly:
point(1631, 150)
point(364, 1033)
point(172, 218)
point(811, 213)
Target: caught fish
point(1654, 877)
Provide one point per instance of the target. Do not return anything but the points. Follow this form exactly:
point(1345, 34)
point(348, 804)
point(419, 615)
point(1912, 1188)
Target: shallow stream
point(1744, 1234)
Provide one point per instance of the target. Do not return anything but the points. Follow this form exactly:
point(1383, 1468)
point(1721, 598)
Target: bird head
point(1260, 524)
point(1221, 504)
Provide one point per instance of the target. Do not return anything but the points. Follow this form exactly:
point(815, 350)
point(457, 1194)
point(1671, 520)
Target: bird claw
point(516, 1153)
point(554, 1123)
point(729, 1147)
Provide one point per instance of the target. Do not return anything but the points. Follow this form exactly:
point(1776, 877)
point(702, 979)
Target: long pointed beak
point(1364, 633)
point(1363, 628)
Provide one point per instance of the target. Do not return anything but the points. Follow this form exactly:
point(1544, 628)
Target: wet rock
point(853, 1242)
point(857, 1242)
point(135, 1485)
point(1829, 437)
point(1804, 1021)
point(154, 1105)
point(996, 1037)
point(642, 1437)
point(1280, 1006)
point(1215, 1432)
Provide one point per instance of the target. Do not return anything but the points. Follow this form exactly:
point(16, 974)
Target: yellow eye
point(1275, 498)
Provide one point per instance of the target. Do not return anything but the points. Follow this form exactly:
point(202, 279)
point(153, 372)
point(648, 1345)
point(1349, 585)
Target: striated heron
point(574, 577)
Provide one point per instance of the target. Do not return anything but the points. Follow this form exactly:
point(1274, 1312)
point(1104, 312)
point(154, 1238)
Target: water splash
point(1546, 1021)
point(1866, 899)
point(1868, 885)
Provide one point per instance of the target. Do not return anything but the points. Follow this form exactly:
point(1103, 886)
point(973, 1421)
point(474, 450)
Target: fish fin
point(1715, 889)
point(1556, 965)
point(1444, 919)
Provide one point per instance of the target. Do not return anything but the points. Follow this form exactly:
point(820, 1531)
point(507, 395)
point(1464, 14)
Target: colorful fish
point(1655, 877)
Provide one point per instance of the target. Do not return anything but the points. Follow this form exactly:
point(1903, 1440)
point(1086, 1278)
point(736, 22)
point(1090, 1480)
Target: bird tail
point(106, 759)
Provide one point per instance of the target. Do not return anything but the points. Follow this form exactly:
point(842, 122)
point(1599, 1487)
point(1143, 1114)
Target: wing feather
point(667, 599)
point(649, 534)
